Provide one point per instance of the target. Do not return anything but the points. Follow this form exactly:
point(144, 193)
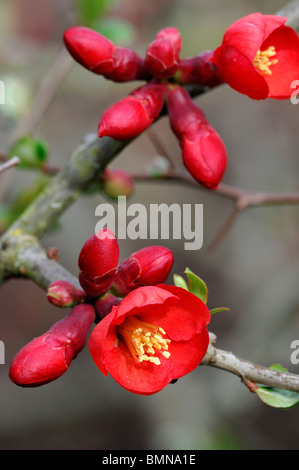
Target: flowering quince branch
point(147, 333)
point(249, 372)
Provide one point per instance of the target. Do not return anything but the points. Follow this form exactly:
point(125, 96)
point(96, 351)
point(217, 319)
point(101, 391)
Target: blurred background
point(254, 271)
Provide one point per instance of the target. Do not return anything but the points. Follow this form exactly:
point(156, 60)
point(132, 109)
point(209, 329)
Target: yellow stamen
point(144, 340)
point(263, 61)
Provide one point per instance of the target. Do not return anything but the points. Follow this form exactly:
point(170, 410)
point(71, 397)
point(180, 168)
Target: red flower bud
point(127, 66)
point(129, 117)
point(199, 70)
point(162, 55)
point(98, 260)
point(90, 49)
point(172, 34)
point(104, 304)
point(204, 153)
point(146, 267)
point(64, 294)
point(117, 182)
point(99, 55)
point(49, 356)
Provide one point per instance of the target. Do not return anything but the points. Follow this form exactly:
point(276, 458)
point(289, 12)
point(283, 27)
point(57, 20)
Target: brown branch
point(248, 371)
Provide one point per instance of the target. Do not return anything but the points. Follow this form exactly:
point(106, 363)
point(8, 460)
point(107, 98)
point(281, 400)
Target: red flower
point(259, 56)
point(155, 335)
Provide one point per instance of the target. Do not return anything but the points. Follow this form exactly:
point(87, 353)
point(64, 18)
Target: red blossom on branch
point(132, 115)
point(155, 335)
point(259, 56)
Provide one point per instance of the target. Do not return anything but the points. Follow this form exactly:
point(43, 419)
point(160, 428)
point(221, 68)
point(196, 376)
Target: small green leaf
point(277, 397)
point(197, 286)
point(31, 152)
point(219, 309)
point(179, 281)
point(119, 31)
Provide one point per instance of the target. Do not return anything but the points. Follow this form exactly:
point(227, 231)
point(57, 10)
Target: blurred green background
point(254, 271)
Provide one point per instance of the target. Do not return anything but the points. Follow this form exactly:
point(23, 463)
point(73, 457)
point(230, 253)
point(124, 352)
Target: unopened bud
point(104, 304)
point(99, 55)
point(65, 294)
point(199, 70)
point(162, 55)
point(98, 260)
point(204, 153)
point(147, 267)
point(171, 33)
point(127, 66)
point(90, 49)
point(117, 182)
point(130, 116)
point(49, 356)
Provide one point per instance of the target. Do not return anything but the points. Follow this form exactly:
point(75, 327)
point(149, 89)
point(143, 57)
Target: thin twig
point(250, 372)
point(14, 161)
point(48, 88)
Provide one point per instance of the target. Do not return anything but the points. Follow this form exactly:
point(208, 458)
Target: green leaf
point(119, 31)
point(197, 286)
point(179, 281)
point(31, 152)
point(277, 397)
point(219, 309)
point(91, 10)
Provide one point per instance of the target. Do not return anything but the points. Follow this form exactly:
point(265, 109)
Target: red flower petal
point(187, 356)
point(183, 320)
point(248, 33)
point(239, 72)
point(286, 43)
point(142, 378)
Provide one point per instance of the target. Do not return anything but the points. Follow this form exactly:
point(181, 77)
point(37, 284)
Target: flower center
point(263, 60)
point(144, 340)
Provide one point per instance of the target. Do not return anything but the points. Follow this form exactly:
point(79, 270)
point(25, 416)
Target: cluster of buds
point(259, 57)
point(101, 271)
point(104, 282)
point(161, 67)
